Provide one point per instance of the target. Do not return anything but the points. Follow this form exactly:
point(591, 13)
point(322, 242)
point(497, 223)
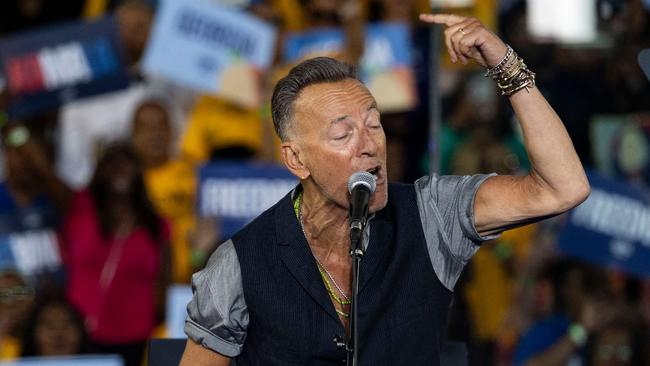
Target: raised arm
point(557, 181)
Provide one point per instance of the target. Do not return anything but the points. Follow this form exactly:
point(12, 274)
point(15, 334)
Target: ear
point(291, 156)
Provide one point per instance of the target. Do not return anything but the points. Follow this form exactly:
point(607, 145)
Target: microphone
point(361, 185)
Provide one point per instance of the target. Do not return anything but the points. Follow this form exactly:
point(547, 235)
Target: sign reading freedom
point(236, 193)
point(47, 67)
point(611, 228)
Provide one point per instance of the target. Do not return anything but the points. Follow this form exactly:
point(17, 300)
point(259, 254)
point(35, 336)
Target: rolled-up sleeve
point(446, 206)
point(217, 316)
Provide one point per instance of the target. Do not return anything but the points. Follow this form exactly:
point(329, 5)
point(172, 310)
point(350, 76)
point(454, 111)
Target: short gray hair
point(313, 71)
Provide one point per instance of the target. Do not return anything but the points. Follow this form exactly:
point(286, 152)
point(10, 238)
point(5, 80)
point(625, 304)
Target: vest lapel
point(297, 257)
point(381, 237)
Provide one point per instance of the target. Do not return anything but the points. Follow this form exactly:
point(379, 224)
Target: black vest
point(402, 304)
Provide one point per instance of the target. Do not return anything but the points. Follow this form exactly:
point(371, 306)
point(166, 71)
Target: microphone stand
point(356, 252)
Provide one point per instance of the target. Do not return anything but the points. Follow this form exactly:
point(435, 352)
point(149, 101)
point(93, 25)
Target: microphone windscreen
point(363, 178)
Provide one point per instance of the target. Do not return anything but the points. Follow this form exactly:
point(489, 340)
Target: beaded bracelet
point(511, 74)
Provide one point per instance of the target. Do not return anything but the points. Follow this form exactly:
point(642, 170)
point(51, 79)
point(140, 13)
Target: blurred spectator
point(572, 304)
point(170, 183)
point(618, 344)
point(54, 328)
point(117, 257)
point(478, 137)
point(30, 198)
point(217, 124)
point(88, 125)
point(16, 298)
point(134, 19)
point(19, 15)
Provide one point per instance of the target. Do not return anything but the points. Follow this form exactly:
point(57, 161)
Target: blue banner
point(88, 360)
point(214, 49)
point(47, 67)
point(386, 65)
point(611, 228)
point(236, 192)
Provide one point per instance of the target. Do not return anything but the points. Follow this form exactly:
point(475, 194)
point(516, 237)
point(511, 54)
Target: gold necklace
point(321, 268)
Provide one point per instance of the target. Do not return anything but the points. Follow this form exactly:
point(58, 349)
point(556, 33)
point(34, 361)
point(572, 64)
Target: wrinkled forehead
point(326, 101)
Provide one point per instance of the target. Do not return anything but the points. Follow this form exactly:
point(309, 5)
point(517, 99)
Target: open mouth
point(374, 171)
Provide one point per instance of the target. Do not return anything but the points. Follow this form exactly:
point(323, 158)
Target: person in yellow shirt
point(170, 182)
point(216, 124)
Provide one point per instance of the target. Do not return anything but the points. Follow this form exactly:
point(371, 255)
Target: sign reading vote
point(611, 228)
point(47, 67)
point(386, 66)
point(236, 193)
point(215, 49)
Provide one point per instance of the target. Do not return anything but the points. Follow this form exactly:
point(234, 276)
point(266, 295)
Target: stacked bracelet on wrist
point(511, 74)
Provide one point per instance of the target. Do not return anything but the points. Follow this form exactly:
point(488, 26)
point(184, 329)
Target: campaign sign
point(28, 241)
point(178, 296)
point(611, 228)
point(386, 65)
point(215, 49)
point(47, 67)
point(236, 193)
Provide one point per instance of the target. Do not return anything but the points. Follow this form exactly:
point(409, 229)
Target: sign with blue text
point(215, 49)
point(611, 228)
point(386, 65)
point(235, 192)
point(47, 67)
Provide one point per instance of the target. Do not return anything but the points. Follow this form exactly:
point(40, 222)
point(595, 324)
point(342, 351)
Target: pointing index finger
point(446, 19)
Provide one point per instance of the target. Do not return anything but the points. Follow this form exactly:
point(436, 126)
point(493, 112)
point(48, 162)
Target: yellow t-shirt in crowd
point(489, 292)
point(171, 188)
point(215, 123)
point(9, 349)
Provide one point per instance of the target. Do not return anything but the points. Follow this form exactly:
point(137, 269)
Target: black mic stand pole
point(356, 252)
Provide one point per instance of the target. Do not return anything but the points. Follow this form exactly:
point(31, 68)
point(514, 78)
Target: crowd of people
point(99, 196)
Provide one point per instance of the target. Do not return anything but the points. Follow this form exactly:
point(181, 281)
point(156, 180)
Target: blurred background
point(136, 136)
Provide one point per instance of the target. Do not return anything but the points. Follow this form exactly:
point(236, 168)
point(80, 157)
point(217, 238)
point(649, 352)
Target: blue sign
point(28, 240)
point(178, 296)
point(47, 67)
point(386, 65)
point(90, 360)
point(211, 48)
point(236, 192)
point(611, 228)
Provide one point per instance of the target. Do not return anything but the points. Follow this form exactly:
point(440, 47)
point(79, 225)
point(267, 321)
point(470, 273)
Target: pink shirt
point(123, 310)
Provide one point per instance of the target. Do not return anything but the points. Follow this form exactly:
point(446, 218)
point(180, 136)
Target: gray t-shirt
point(218, 317)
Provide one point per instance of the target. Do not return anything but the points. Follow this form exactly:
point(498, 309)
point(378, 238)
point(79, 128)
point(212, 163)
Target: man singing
point(279, 291)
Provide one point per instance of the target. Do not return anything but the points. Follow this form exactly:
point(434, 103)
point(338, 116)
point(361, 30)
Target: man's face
point(338, 129)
